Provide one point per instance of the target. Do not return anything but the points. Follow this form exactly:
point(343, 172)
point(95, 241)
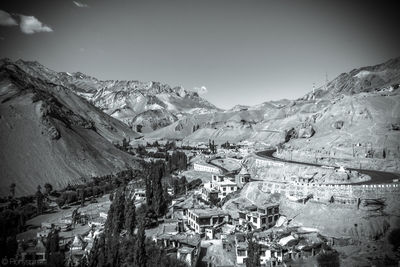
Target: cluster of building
point(194, 227)
point(223, 235)
point(192, 221)
point(76, 237)
point(196, 221)
point(185, 246)
point(277, 247)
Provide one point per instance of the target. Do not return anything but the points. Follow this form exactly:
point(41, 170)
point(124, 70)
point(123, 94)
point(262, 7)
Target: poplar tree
point(39, 200)
point(113, 227)
point(130, 216)
point(54, 256)
point(253, 252)
point(140, 258)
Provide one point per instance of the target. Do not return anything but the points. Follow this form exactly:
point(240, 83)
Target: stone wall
point(324, 192)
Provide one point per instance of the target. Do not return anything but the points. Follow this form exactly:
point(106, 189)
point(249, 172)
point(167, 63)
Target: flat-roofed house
point(243, 177)
point(209, 194)
point(270, 255)
point(241, 248)
point(187, 255)
point(223, 185)
point(140, 195)
point(200, 219)
point(259, 217)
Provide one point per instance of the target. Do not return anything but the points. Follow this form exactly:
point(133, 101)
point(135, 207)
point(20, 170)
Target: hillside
point(327, 123)
point(128, 101)
point(49, 134)
point(365, 79)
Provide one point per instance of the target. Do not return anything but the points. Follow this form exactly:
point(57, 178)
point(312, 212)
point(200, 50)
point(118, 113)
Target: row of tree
point(156, 196)
point(212, 146)
point(123, 242)
point(176, 161)
point(195, 128)
point(109, 246)
point(13, 218)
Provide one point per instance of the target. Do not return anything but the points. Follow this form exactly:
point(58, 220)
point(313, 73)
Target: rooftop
point(188, 239)
point(203, 163)
point(226, 182)
point(186, 250)
point(242, 245)
point(244, 171)
point(208, 212)
point(256, 214)
point(207, 186)
point(256, 208)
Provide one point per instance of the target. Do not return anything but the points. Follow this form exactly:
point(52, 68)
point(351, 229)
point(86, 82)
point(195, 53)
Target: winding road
point(377, 177)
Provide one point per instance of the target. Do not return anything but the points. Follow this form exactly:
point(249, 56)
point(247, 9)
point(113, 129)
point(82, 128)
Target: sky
point(233, 52)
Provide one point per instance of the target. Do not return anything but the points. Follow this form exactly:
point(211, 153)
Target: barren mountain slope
point(360, 126)
point(364, 79)
point(49, 134)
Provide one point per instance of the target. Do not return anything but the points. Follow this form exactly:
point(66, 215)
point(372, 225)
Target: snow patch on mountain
point(125, 100)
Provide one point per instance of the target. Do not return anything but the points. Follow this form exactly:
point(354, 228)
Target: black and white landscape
point(209, 133)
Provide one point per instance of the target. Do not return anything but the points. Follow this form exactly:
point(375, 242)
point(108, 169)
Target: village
point(197, 228)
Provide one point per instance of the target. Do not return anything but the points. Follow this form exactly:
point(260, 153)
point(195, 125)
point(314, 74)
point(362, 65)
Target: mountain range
point(359, 108)
point(144, 106)
point(58, 126)
point(357, 90)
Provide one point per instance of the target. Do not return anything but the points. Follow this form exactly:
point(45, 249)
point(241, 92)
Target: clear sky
point(243, 51)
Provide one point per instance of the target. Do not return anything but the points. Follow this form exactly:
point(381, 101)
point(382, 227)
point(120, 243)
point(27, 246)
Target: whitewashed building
point(223, 185)
point(260, 217)
point(205, 167)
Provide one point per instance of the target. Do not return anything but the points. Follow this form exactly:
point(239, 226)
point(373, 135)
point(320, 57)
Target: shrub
point(394, 238)
point(328, 258)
